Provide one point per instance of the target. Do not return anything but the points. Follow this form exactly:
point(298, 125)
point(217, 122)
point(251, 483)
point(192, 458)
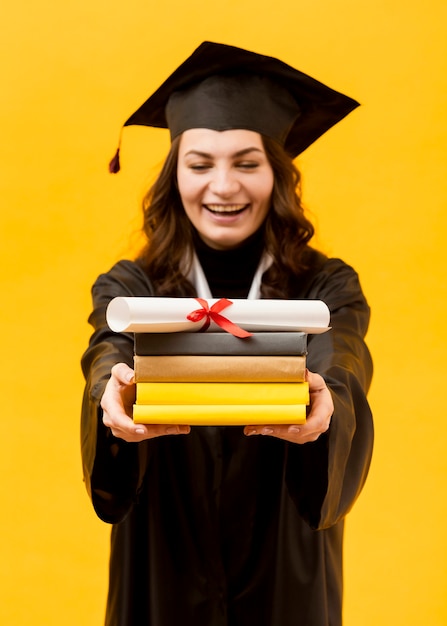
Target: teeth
point(225, 208)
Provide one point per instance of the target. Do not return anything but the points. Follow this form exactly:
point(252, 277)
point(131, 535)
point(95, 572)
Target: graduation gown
point(218, 529)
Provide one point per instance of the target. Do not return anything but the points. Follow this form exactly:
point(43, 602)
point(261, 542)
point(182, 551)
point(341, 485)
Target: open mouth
point(226, 209)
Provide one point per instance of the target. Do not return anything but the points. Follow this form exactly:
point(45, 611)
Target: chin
point(223, 242)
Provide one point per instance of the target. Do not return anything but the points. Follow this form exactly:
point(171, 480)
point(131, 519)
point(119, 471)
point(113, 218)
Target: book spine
point(204, 368)
point(221, 415)
point(221, 343)
point(222, 393)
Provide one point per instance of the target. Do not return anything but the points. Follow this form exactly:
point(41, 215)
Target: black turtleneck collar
point(230, 272)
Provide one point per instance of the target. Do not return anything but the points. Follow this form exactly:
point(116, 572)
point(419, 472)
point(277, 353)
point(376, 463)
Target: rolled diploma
point(161, 315)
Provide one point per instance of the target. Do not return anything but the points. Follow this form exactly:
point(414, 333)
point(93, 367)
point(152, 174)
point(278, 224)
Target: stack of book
point(184, 376)
point(215, 378)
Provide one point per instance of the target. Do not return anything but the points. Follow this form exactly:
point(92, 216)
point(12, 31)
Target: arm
point(326, 473)
point(335, 466)
point(113, 468)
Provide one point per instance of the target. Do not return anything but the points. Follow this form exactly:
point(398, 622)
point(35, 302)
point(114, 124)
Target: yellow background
point(71, 73)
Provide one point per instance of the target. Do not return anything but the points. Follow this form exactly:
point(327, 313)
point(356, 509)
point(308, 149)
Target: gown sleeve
point(325, 477)
point(113, 469)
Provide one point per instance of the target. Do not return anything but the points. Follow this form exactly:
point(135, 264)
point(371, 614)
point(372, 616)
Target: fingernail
point(139, 431)
point(129, 377)
point(294, 429)
point(251, 431)
point(266, 431)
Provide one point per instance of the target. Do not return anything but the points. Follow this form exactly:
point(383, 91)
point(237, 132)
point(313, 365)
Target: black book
point(223, 343)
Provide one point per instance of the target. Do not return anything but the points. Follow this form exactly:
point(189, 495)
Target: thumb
point(316, 382)
point(123, 374)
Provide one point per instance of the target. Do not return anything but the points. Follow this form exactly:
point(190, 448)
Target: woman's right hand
point(117, 405)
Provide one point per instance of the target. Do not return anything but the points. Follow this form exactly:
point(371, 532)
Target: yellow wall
point(71, 73)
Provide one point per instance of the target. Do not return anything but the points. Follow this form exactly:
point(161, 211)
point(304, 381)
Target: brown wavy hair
point(167, 254)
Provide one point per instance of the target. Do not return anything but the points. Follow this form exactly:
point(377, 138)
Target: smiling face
point(225, 182)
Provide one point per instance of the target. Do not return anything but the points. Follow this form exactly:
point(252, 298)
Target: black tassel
point(114, 165)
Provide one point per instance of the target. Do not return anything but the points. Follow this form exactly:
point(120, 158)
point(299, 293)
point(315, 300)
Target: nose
point(224, 183)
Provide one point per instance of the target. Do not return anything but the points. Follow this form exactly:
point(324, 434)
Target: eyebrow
point(239, 153)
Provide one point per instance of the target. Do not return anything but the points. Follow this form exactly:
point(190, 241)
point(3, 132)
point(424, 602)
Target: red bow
point(213, 314)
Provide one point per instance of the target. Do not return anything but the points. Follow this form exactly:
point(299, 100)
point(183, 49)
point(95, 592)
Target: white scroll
point(164, 315)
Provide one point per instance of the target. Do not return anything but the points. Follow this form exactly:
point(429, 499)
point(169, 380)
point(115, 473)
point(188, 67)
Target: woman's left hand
point(317, 422)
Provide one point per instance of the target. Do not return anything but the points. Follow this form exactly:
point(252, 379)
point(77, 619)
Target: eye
point(247, 165)
point(199, 167)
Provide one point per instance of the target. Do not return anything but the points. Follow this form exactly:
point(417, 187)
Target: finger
point(281, 431)
point(123, 427)
point(144, 432)
point(123, 373)
point(316, 382)
point(321, 403)
point(321, 410)
point(295, 433)
point(159, 430)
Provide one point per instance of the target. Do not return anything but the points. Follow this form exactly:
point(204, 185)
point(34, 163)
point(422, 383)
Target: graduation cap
point(223, 87)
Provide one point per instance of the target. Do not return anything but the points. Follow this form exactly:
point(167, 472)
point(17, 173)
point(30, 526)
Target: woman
point(229, 526)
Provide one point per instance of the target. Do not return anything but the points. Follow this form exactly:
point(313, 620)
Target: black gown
point(218, 529)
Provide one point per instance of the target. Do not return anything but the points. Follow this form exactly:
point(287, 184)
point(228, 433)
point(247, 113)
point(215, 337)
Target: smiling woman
point(230, 526)
point(284, 232)
point(225, 183)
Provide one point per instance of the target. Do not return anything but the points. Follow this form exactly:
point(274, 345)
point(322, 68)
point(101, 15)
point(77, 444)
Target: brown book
point(222, 368)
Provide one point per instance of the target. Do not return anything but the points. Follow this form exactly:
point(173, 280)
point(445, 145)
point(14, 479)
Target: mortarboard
point(223, 87)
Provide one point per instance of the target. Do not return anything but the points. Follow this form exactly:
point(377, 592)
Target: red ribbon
point(213, 314)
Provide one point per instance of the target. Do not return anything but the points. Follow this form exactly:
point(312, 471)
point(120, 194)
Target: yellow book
point(219, 414)
point(221, 368)
point(222, 393)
